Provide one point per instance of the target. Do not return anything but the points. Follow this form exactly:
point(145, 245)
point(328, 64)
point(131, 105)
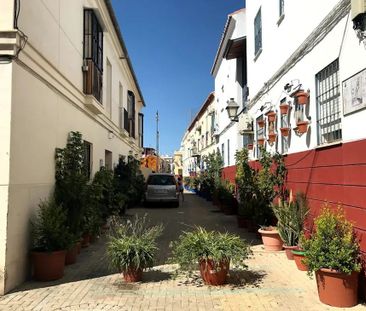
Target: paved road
point(271, 283)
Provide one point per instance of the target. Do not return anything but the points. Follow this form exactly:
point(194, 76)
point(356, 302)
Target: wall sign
point(354, 93)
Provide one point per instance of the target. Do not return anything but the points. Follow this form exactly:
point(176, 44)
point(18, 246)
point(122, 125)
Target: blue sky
point(172, 45)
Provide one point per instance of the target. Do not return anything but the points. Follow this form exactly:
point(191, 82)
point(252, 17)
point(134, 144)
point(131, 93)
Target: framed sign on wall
point(354, 93)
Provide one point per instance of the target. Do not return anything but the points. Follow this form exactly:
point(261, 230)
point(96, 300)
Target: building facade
point(64, 67)
point(230, 74)
point(307, 80)
point(200, 139)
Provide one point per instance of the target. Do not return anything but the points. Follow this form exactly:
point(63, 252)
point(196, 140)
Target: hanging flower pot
point(284, 108)
point(271, 116)
point(285, 131)
point(272, 138)
point(260, 141)
point(250, 146)
point(302, 127)
point(302, 98)
point(260, 123)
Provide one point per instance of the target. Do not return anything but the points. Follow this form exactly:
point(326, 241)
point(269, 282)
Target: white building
point(230, 73)
point(200, 138)
point(312, 46)
point(72, 74)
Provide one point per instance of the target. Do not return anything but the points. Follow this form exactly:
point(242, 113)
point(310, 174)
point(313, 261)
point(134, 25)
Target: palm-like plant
point(291, 216)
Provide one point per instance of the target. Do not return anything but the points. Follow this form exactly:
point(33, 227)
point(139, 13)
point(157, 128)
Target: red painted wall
point(335, 174)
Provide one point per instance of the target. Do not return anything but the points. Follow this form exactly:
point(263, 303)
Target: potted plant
point(284, 107)
point(250, 146)
point(211, 251)
point(271, 115)
point(332, 252)
point(132, 246)
point(302, 97)
point(51, 238)
point(291, 215)
point(226, 197)
point(260, 123)
point(302, 126)
point(260, 141)
point(272, 138)
point(285, 131)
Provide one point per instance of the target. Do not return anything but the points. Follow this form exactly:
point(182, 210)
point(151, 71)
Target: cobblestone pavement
point(271, 283)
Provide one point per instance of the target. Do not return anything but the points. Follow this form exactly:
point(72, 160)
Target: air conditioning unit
point(245, 124)
point(357, 7)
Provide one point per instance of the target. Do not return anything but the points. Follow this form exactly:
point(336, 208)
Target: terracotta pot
point(260, 123)
point(271, 239)
point(85, 242)
point(337, 289)
point(271, 116)
point(212, 276)
point(71, 255)
point(250, 146)
point(298, 257)
point(242, 221)
point(104, 228)
point(48, 266)
point(272, 138)
point(302, 127)
point(132, 275)
point(302, 97)
point(284, 108)
point(285, 131)
point(260, 141)
point(288, 251)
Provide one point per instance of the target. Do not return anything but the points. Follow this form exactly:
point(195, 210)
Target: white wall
point(279, 42)
point(43, 101)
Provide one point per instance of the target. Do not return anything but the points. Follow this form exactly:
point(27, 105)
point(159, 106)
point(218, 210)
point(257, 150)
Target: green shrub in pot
point(212, 251)
point(132, 246)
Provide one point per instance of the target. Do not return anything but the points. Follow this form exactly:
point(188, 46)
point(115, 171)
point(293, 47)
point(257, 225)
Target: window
point(109, 89)
point(259, 135)
point(281, 7)
point(223, 152)
point(228, 152)
point(258, 33)
point(88, 158)
point(141, 130)
point(93, 55)
point(121, 110)
point(108, 159)
point(131, 113)
point(328, 104)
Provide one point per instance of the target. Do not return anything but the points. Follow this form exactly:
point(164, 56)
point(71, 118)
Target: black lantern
point(232, 110)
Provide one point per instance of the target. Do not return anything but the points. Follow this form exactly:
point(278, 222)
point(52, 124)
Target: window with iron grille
point(141, 130)
point(281, 7)
point(131, 113)
point(223, 152)
point(259, 135)
point(93, 55)
point(258, 32)
point(329, 123)
point(125, 120)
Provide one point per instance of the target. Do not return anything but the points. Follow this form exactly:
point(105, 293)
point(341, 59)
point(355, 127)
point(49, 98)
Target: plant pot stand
point(212, 276)
point(271, 239)
point(337, 289)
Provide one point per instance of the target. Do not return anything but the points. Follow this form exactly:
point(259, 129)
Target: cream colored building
point(178, 162)
point(200, 137)
point(72, 74)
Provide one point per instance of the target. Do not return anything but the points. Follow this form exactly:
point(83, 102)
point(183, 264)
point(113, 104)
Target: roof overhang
point(235, 48)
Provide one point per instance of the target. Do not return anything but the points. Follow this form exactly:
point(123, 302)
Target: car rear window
point(161, 180)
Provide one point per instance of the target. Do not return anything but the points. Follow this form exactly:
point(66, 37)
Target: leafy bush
point(71, 180)
point(291, 215)
point(49, 230)
point(192, 247)
point(333, 245)
point(132, 244)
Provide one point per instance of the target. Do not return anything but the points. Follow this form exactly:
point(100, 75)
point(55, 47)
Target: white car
point(161, 187)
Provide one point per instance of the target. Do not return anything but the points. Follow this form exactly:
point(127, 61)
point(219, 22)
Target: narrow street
point(271, 282)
